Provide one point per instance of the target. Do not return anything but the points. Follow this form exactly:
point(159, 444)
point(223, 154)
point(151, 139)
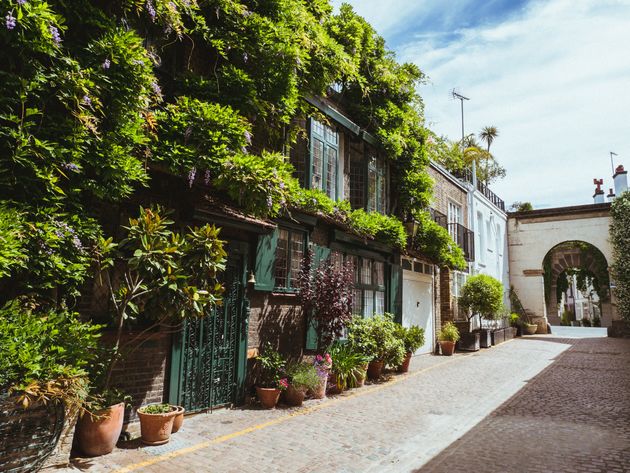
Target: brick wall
point(143, 371)
point(444, 191)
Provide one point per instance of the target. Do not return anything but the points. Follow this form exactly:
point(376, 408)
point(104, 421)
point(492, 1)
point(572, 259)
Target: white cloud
point(555, 80)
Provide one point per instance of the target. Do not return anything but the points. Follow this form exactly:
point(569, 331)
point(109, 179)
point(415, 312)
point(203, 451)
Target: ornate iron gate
point(208, 358)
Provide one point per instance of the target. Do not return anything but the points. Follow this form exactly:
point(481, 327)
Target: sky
point(553, 76)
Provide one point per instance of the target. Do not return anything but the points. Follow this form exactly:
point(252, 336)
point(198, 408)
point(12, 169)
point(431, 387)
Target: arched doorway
point(577, 284)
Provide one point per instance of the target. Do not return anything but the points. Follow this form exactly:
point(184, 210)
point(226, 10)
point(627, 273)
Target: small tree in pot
point(448, 337)
point(482, 295)
point(272, 380)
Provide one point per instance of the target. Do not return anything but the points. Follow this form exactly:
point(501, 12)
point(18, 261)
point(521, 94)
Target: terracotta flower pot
point(375, 368)
point(294, 396)
point(179, 419)
point(98, 435)
point(268, 397)
point(155, 429)
point(404, 367)
point(320, 391)
point(447, 347)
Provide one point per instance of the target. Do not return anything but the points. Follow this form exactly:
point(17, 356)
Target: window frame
point(288, 288)
point(378, 166)
point(327, 145)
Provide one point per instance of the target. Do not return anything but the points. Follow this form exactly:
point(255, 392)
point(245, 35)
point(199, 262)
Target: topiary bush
point(483, 296)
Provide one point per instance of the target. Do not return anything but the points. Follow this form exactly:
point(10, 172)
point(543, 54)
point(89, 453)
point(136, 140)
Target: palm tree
point(487, 135)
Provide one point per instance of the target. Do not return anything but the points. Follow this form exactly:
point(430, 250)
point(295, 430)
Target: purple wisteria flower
point(106, 64)
point(86, 100)
point(70, 167)
point(248, 137)
point(206, 177)
point(55, 34)
point(281, 185)
point(191, 176)
point(11, 21)
point(77, 243)
point(156, 89)
point(151, 10)
point(269, 202)
point(21, 2)
point(138, 62)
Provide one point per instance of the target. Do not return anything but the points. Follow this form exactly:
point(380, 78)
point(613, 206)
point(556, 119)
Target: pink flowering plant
point(272, 369)
point(323, 364)
point(283, 384)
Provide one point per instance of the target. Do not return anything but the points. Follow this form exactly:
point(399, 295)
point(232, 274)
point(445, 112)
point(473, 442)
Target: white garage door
point(418, 306)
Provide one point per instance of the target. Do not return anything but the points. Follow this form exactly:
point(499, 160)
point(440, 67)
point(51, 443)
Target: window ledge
point(280, 293)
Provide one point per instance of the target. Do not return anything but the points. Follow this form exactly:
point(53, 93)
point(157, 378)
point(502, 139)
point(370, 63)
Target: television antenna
point(612, 153)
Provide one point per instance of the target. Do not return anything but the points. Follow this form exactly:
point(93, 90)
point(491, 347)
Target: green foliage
point(157, 409)
point(483, 295)
point(375, 337)
point(435, 242)
point(44, 352)
point(521, 206)
point(384, 228)
point(448, 333)
point(620, 239)
point(597, 322)
point(349, 364)
point(515, 320)
point(12, 241)
point(303, 376)
point(585, 322)
point(412, 337)
point(272, 366)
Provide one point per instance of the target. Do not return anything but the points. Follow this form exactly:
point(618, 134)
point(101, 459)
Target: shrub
point(448, 333)
point(585, 322)
point(567, 317)
point(157, 409)
point(45, 353)
point(303, 376)
point(412, 337)
point(375, 337)
point(597, 322)
point(515, 320)
point(483, 295)
point(620, 239)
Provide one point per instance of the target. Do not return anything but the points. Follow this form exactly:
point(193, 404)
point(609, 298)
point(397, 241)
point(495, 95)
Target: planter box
point(485, 339)
point(469, 342)
point(510, 333)
point(497, 336)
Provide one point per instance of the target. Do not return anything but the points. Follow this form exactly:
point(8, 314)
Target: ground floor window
point(289, 254)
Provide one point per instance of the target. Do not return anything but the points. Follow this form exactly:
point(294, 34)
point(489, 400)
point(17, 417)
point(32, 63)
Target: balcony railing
point(491, 196)
point(439, 218)
point(464, 238)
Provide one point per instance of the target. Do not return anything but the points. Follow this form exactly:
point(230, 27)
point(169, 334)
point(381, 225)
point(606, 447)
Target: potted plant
point(302, 377)
point(272, 380)
point(515, 324)
point(447, 337)
point(156, 423)
point(482, 295)
point(413, 338)
point(530, 329)
point(166, 277)
point(349, 366)
point(179, 418)
point(323, 365)
point(375, 337)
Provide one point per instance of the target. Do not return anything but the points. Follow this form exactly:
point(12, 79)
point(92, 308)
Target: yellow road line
point(279, 420)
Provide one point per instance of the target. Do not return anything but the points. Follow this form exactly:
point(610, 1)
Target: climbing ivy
point(620, 239)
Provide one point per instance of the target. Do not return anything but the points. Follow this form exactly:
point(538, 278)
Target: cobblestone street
point(567, 410)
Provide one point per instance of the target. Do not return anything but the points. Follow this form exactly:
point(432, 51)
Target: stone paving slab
point(395, 426)
point(573, 417)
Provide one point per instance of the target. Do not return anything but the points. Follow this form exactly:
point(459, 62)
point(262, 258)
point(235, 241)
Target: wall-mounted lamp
point(252, 278)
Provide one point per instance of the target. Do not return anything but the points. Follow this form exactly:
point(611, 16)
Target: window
point(289, 254)
point(369, 292)
point(376, 190)
point(324, 158)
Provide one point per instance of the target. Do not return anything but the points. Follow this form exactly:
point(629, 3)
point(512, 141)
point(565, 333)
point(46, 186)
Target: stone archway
point(570, 255)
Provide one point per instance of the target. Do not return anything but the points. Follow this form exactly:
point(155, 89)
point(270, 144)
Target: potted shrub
point(413, 339)
point(349, 366)
point(515, 324)
point(156, 423)
point(530, 329)
point(482, 295)
point(323, 365)
point(272, 380)
point(302, 377)
point(375, 337)
point(447, 337)
point(165, 278)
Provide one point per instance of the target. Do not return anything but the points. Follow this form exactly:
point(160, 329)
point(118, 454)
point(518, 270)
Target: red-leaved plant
point(326, 294)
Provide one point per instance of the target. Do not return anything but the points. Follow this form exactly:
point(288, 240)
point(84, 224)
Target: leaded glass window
point(324, 158)
point(289, 254)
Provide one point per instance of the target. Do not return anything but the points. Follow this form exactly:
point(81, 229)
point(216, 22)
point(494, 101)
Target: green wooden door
point(209, 355)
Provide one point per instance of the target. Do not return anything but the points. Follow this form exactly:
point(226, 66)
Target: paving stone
point(548, 392)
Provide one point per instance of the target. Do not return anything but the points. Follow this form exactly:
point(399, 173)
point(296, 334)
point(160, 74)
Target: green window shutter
point(320, 253)
point(395, 292)
point(265, 259)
